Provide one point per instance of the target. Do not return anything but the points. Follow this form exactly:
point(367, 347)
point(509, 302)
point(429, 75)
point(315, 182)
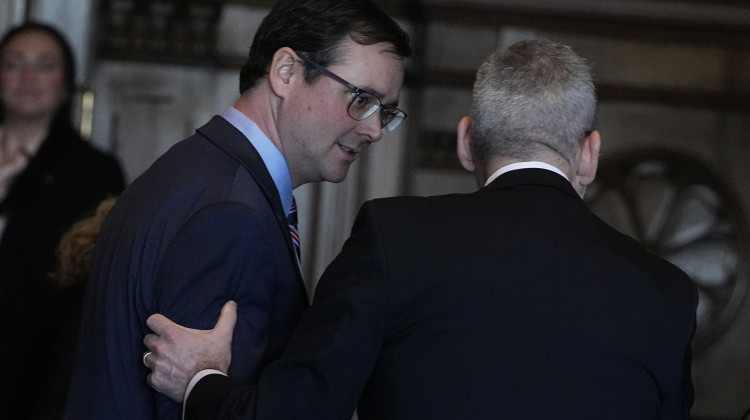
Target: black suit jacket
point(62, 182)
point(203, 225)
point(511, 302)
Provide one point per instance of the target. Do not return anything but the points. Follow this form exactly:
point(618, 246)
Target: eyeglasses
point(364, 103)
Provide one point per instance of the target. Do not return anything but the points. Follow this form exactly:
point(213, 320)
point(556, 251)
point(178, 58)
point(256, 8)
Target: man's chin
point(336, 179)
point(338, 175)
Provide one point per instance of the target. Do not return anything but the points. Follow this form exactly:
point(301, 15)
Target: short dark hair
point(63, 115)
point(317, 28)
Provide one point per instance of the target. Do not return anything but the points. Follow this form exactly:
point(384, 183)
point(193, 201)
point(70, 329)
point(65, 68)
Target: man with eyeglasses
point(207, 222)
point(512, 302)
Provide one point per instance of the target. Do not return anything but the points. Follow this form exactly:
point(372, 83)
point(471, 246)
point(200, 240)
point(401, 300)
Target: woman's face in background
point(32, 76)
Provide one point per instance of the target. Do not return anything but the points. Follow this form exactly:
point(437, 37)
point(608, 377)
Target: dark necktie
point(292, 220)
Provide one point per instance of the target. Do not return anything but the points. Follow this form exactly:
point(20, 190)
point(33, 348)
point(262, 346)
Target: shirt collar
point(524, 165)
point(269, 153)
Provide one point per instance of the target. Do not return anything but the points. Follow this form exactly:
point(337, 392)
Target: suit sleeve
point(677, 404)
point(224, 252)
point(332, 352)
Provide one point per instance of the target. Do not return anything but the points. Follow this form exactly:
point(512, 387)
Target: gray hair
point(535, 98)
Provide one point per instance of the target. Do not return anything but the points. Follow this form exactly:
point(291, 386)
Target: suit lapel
point(227, 138)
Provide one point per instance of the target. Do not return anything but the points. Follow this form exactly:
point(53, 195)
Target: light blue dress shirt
point(271, 155)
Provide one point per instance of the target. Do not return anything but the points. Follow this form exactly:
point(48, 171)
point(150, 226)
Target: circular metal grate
point(678, 208)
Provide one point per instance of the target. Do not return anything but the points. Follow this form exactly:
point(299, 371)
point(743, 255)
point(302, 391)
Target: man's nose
point(371, 128)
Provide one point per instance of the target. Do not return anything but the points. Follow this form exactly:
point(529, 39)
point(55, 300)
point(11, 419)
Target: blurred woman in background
point(49, 177)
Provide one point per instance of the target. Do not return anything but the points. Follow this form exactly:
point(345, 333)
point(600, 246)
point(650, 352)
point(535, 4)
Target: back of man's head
point(317, 28)
point(534, 100)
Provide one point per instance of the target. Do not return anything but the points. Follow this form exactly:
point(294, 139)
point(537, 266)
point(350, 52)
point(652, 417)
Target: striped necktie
point(292, 220)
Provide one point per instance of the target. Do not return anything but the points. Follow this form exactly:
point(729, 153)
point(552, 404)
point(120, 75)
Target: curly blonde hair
point(76, 246)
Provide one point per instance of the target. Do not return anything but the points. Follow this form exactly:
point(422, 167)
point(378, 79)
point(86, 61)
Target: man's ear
point(284, 67)
point(589, 160)
point(463, 144)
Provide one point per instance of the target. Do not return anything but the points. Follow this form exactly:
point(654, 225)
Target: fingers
point(144, 358)
point(227, 319)
point(158, 323)
point(150, 341)
point(165, 329)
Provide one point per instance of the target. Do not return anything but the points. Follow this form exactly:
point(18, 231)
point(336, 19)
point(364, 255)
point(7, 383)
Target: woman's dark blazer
point(63, 182)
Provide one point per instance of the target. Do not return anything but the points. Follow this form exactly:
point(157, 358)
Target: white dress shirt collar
point(524, 165)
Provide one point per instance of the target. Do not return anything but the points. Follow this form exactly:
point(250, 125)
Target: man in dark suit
point(207, 222)
point(511, 302)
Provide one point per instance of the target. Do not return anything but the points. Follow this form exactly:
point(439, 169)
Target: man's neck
point(259, 105)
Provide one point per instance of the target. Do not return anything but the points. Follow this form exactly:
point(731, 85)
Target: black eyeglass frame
point(390, 116)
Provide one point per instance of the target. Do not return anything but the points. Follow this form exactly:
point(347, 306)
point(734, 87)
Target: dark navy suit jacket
point(203, 225)
point(513, 302)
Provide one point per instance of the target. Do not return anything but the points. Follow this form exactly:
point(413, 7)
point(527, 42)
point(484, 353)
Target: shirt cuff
point(198, 376)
